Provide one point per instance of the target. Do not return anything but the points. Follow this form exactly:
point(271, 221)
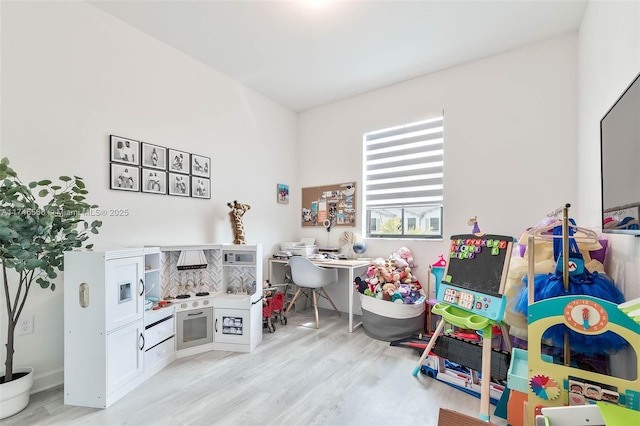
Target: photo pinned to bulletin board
point(336, 203)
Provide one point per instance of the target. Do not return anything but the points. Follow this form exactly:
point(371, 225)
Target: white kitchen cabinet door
point(124, 291)
point(232, 326)
point(125, 355)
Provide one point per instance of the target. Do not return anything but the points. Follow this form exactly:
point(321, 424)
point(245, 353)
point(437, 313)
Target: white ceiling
point(306, 53)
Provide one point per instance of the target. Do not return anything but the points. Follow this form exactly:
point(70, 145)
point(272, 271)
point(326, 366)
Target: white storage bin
point(390, 321)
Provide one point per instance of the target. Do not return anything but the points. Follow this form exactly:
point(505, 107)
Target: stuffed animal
point(390, 264)
point(397, 261)
point(371, 271)
point(414, 295)
point(382, 273)
point(373, 284)
point(389, 287)
point(396, 279)
point(378, 261)
point(267, 291)
point(405, 254)
point(237, 211)
point(391, 279)
point(397, 298)
point(408, 277)
point(361, 285)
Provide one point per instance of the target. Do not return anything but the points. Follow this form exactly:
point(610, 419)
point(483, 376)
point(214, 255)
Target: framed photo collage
point(143, 167)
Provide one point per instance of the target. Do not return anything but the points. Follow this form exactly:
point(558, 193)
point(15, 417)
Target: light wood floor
point(296, 376)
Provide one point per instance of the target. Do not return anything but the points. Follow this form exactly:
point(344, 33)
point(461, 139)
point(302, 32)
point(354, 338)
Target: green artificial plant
point(38, 223)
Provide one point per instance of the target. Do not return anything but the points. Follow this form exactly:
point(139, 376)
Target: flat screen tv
point(620, 162)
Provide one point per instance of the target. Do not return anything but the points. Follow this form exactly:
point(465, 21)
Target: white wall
point(71, 76)
point(510, 141)
point(609, 59)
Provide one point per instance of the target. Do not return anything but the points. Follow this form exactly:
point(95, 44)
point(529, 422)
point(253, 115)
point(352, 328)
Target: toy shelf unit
point(456, 362)
point(470, 297)
point(555, 385)
point(576, 386)
point(152, 281)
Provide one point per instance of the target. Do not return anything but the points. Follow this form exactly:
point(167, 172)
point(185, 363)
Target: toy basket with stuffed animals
point(390, 321)
point(391, 297)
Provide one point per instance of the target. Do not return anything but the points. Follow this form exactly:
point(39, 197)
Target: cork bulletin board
point(329, 204)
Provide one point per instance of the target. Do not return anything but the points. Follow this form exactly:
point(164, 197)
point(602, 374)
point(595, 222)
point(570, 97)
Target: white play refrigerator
point(104, 325)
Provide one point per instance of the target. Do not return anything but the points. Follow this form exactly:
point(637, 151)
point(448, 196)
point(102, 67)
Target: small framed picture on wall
point(200, 187)
point(283, 193)
point(179, 184)
point(200, 166)
point(154, 181)
point(178, 161)
point(126, 151)
point(154, 156)
point(124, 177)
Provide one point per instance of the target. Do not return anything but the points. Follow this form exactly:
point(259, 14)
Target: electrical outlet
point(25, 325)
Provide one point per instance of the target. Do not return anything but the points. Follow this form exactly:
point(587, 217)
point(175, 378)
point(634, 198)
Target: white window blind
point(404, 165)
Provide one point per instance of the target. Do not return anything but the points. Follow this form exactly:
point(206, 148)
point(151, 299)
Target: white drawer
point(159, 332)
point(158, 353)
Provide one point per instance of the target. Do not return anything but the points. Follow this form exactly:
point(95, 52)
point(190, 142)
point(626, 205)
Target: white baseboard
point(47, 380)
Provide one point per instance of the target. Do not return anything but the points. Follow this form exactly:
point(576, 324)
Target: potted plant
point(38, 223)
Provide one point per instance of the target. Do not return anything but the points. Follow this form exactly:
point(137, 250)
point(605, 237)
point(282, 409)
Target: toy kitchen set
point(129, 313)
point(214, 293)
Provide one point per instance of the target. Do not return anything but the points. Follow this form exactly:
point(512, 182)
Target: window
point(403, 180)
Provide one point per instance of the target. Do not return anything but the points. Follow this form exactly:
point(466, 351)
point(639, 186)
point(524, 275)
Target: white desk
point(353, 267)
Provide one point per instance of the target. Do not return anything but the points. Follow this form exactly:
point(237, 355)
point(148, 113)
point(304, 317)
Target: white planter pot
point(14, 395)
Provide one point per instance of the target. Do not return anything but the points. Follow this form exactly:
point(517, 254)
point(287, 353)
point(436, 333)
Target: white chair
point(311, 280)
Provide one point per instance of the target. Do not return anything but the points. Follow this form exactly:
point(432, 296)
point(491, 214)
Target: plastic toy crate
point(518, 373)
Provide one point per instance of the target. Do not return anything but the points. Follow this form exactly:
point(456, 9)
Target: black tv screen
point(620, 162)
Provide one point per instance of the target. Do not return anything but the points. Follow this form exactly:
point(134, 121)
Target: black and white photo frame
point(200, 166)
point(179, 184)
point(178, 161)
point(154, 181)
point(200, 187)
point(145, 167)
point(153, 156)
point(124, 177)
point(123, 150)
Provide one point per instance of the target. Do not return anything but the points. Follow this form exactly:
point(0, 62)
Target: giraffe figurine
point(236, 213)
